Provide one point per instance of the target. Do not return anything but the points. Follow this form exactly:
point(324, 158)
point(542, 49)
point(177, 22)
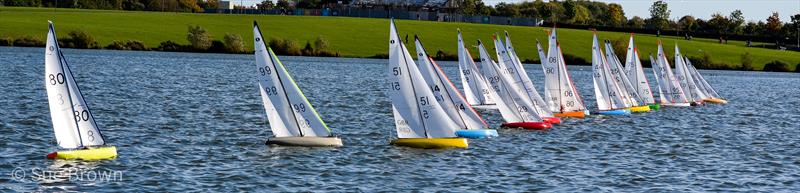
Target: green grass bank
point(351, 37)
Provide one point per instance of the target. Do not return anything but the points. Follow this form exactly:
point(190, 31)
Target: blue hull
point(477, 133)
point(615, 112)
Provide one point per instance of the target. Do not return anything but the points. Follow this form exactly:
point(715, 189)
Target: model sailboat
point(618, 74)
point(706, 88)
point(669, 89)
point(608, 93)
point(516, 109)
point(508, 60)
point(687, 82)
point(420, 120)
point(635, 74)
point(75, 129)
point(456, 107)
point(559, 90)
point(476, 89)
point(293, 120)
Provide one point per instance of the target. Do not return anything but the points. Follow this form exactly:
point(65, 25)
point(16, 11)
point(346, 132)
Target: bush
point(320, 44)
point(217, 47)
point(127, 45)
point(444, 56)
point(199, 38)
point(380, 56)
point(776, 66)
point(308, 50)
point(117, 45)
point(7, 41)
point(136, 45)
point(620, 46)
point(797, 68)
point(705, 62)
point(285, 47)
point(79, 39)
point(234, 43)
point(29, 41)
point(171, 46)
point(747, 62)
point(574, 60)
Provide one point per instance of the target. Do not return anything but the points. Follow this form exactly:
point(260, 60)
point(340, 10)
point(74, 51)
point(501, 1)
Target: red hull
point(552, 120)
point(529, 125)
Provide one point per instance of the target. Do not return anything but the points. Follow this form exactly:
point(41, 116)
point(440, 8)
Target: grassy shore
point(351, 37)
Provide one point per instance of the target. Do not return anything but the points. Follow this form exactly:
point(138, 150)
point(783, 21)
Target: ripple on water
point(195, 122)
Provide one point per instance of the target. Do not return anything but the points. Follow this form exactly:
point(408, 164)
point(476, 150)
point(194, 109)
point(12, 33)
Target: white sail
point(446, 93)
point(607, 92)
point(513, 106)
point(559, 91)
point(628, 93)
point(691, 91)
point(701, 82)
point(73, 123)
point(288, 110)
point(671, 91)
point(476, 89)
point(660, 79)
point(416, 111)
point(510, 64)
point(635, 74)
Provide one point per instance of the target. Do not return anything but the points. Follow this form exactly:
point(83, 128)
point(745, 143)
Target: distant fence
point(384, 13)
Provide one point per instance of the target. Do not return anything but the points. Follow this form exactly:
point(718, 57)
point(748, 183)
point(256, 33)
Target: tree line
point(569, 13)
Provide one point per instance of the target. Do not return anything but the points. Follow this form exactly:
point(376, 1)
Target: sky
point(752, 10)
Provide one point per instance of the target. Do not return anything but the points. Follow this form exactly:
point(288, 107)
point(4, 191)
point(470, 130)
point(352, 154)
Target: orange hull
point(578, 114)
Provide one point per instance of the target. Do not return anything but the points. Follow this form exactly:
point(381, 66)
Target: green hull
point(654, 106)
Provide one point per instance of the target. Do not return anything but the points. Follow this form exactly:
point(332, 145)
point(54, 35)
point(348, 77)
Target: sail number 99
point(265, 70)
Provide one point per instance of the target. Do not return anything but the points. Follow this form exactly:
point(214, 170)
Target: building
point(224, 5)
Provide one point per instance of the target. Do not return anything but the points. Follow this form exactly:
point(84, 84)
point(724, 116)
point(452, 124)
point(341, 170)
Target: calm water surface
point(194, 122)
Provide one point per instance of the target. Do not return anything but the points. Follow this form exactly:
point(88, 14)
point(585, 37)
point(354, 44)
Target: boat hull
point(715, 101)
point(577, 114)
point(91, 153)
point(677, 104)
point(552, 120)
point(306, 141)
point(529, 125)
point(431, 143)
point(654, 106)
point(615, 112)
point(477, 133)
point(640, 109)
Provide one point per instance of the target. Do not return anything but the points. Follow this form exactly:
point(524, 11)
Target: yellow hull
point(578, 114)
point(715, 101)
point(640, 109)
point(92, 153)
point(431, 143)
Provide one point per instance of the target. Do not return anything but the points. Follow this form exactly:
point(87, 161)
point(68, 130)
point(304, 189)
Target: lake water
point(195, 122)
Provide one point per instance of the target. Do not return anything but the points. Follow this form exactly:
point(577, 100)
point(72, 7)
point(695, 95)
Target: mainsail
point(513, 106)
point(476, 89)
point(73, 122)
point(417, 113)
point(685, 78)
point(635, 73)
point(559, 90)
point(607, 92)
point(670, 90)
point(288, 110)
point(446, 93)
point(510, 64)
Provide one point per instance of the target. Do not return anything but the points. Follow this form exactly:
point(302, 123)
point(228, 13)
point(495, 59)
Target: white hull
point(306, 141)
point(677, 104)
